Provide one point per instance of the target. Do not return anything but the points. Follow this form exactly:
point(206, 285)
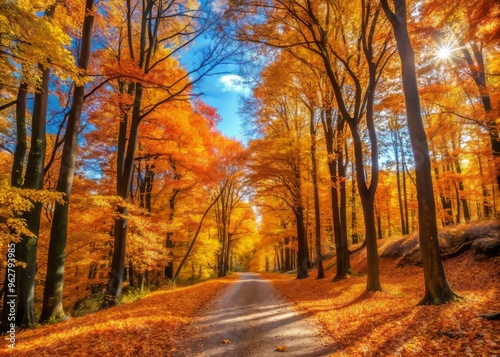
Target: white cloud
point(234, 83)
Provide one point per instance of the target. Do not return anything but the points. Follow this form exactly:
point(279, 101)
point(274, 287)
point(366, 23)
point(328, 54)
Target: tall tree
point(317, 211)
point(437, 289)
point(53, 294)
point(26, 249)
point(156, 32)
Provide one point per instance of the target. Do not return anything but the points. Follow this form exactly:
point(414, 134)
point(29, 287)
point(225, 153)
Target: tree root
point(446, 295)
point(493, 316)
point(457, 252)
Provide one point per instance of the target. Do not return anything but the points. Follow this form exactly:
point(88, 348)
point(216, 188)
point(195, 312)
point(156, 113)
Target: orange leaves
point(148, 327)
point(388, 323)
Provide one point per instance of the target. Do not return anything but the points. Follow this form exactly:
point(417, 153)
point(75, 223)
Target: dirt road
point(252, 317)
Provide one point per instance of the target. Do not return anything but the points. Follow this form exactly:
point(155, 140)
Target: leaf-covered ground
point(143, 328)
point(389, 323)
point(385, 323)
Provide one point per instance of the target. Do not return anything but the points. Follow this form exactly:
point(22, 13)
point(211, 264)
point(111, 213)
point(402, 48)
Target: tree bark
point(52, 298)
point(337, 178)
point(302, 253)
point(398, 181)
point(437, 289)
point(319, 261)
point(403, 173)
point(114, 286)
point(26, 249)
point(367, 195)
point(21, 145)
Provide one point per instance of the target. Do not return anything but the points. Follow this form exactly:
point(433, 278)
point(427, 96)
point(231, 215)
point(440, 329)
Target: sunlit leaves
point(14, 202)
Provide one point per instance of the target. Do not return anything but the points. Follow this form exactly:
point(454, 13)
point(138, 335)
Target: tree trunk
point(282, 252)
point(114, 286)
point(319, 261)
point(367, 196)
point(403, 166)
point(486, 202)
point(52, 298)
point(288, 262)
point(398, 182)
point(379, 223)
point(26, 249)
point(437, 289)
point(302, 253)
point(21, 145)
point(16, 176)
point(131, 273)
point(337, 177)
point(461, 190)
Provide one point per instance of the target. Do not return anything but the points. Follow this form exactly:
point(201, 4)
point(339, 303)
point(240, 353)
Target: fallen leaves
point(225, 341)
point(147, 327)
point(389, 323)
point(280, 348)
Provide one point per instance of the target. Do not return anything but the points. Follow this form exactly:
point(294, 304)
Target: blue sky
point(222, 91)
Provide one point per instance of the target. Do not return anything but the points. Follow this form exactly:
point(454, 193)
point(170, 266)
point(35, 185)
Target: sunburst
point(447, 51)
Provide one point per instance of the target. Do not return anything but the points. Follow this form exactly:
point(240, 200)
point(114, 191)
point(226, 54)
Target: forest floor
point(146, 327)
point(387, 323)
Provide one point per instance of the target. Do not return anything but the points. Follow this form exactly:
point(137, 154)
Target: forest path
point(252, 315)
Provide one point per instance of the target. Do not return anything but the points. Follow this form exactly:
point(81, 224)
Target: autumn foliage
point(360, 323)
point(365, 126)
point(149, 327)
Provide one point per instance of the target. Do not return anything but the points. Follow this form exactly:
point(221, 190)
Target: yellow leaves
point(148, 327)
point(280, 348)
point(13, 202)
point(35, 39)
point(226, 341)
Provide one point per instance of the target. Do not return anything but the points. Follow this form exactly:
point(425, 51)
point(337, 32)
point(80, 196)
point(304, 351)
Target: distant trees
point(354, 76)
point(124, 81)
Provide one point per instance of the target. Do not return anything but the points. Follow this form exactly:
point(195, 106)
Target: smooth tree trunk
point(21, 145)
point(403, 174)
point(367, 190)
point(437, 289)
point(282, 253)
point(337, 178)
point(16, 178)
point(367, 195)
point(463, 199)
point(26, 249)
point(302, 253)
point(52, 307)
point(319, 260)
point(398, 182)
point(115, 279)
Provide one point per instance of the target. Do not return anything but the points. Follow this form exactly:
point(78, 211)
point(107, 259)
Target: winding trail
point(252, 315)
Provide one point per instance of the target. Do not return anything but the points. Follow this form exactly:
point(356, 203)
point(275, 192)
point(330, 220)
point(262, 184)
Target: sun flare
point(446, 51)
